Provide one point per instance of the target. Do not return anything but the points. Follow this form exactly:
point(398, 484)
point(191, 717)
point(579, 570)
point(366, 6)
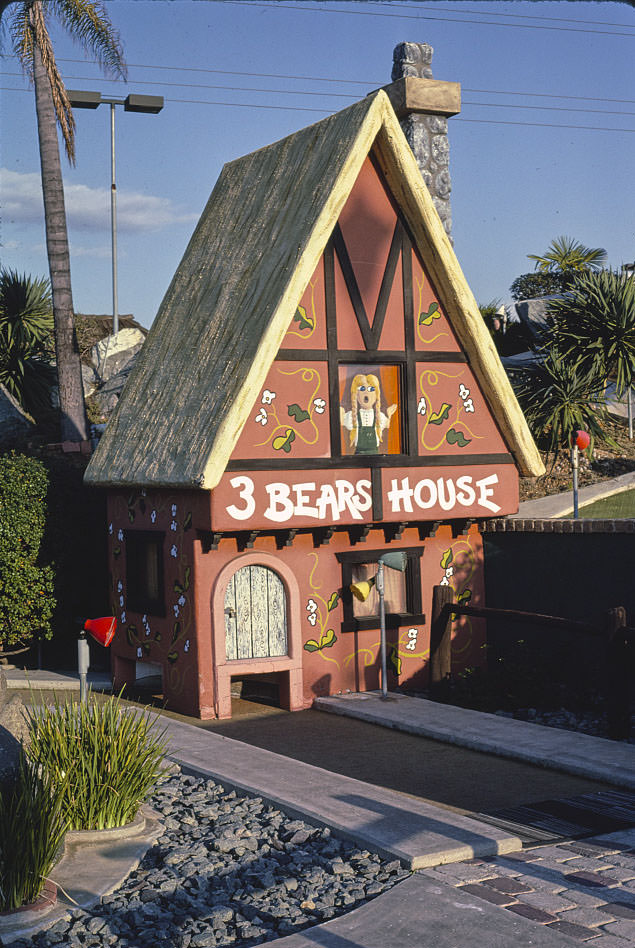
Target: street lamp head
point(83, 100)
point(151, 104)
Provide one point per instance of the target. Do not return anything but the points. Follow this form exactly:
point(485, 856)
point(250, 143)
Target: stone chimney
point(423, 106)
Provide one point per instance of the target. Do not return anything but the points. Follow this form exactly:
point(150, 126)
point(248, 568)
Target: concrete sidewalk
point(560, 505)
point(568, 751)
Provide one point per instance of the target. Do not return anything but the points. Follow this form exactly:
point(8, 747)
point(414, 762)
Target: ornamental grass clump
point(32, 827)
point(106, 758)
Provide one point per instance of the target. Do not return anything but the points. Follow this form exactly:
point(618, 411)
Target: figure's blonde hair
point(357, 382)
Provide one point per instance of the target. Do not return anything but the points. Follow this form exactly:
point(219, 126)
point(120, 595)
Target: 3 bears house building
point(318, 388)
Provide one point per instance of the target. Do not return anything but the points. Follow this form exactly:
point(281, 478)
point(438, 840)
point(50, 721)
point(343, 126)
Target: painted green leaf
point(425, 319)
point(465, 596)
point(328, 638)
point(300, 414)
point(186, 582)
point(284, 442)
point(172, 657)
point(311, 646)
point(146, 648)
point(456, 437)
point(131, 514)
point(131, 635)
point(446, 559)
point(187, 523)
point(157, 636)
point(395, 661)
point(178, 588)
point(333, 601)
point(116, 551)
point(131, 500)
point(439, 416)
point(303, 319)
point(176, 631)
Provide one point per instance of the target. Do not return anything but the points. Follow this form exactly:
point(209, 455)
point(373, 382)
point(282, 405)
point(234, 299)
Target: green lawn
point(617, 507)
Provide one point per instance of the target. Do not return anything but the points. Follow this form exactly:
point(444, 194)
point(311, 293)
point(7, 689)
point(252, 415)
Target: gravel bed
point(592, 722)
point(228, 870)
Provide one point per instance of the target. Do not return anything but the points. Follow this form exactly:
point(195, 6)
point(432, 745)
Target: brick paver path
point(585, 889)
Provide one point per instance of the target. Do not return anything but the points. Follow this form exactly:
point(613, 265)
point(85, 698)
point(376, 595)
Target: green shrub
point(32, 828)
point(528, 286)
point(108, 759)
point(27, 596)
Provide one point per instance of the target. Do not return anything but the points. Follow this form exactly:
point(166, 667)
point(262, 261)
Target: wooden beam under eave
point(429, 96)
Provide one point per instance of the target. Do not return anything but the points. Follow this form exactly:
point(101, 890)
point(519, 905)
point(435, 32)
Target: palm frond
point(89, 24)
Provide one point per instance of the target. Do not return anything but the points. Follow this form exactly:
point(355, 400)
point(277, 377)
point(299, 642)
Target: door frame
point(290, 663)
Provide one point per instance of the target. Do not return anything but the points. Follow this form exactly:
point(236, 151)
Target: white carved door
point(255, 614)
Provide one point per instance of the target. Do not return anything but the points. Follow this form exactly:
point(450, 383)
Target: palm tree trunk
point(73, 426)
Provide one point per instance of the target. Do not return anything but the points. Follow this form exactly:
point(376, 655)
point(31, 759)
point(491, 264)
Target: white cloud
point(88, 208)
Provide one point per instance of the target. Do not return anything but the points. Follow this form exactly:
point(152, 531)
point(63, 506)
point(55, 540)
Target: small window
point(402, 595)
point(144, 572)
point(370, 409)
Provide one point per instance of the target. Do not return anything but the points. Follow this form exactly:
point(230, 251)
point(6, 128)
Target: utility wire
point(373, 83)
point(301, 108)
point(408, 16)
point(348, 95)
point(516, 16)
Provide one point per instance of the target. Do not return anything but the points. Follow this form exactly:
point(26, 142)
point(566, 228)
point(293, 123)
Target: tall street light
point(151, 105)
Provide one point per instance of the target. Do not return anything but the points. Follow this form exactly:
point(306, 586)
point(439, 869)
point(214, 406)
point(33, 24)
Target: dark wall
point(577, 576)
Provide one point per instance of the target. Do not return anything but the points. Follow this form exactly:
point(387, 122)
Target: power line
point(516, 16)
point(300, 108)
point(374, 83)
point(347, 95)
point(408, 16)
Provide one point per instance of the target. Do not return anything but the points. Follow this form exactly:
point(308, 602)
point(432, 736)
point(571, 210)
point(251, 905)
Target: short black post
point(440, 637)
point(619, 649)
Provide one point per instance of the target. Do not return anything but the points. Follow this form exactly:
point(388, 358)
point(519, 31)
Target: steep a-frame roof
point(236, 289)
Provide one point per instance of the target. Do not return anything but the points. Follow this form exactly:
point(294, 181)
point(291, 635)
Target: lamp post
point(150, 105)
point(580, 440)
point(397, 561)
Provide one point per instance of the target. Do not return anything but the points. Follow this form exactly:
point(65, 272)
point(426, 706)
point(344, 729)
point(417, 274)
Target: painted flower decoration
point(119, 586)
point(445, 581)
point(121, 600)
point(176, 610)
point(319, 404)
point(463, 392)
point(123, 618)
point(110, 529)
point(311, 608)
point(422, 406)
point(181, 600)
point(468, 405)
point(186, 647)
point(174, 551)
point(120, 535)
point(173, 525)
point(144, 492)
point(174, 510)
point(268, 397)
point(262, 417)
point(449, 571)
point(153, 516)
point(139, 652)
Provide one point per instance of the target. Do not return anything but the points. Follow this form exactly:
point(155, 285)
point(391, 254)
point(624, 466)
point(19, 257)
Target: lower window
point(144, 572)
point(402, 591)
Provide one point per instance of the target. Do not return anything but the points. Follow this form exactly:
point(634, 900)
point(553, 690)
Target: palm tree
point(26, 328)
point(565, 254)
point(594, 326)
point(88, 23)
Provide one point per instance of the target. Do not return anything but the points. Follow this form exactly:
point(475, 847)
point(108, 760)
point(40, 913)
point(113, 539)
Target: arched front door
point(255, 614)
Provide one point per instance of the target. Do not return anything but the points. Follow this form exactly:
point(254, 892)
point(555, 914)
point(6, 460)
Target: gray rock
point(15, 424)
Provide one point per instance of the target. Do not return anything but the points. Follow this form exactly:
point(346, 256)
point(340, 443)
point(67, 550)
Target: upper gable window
point(370, 409)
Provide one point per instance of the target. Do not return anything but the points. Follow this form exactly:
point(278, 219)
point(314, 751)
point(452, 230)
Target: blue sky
point(521, 175)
